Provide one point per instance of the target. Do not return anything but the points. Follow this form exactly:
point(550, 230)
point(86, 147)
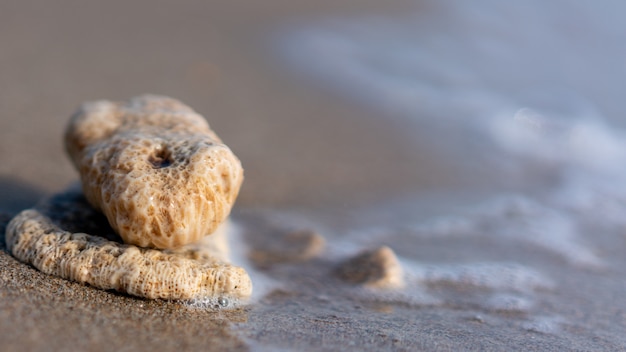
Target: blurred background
point(298, 144)
point(331, 102)
point(326, 102)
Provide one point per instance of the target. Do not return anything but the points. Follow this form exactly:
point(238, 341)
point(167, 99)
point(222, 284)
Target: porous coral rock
point(52, 237)
point(154, 167)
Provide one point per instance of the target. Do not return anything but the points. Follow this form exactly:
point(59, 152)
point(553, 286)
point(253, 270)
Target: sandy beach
point(506, 245)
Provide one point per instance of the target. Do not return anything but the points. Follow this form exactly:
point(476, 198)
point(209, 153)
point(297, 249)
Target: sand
point(311, 160)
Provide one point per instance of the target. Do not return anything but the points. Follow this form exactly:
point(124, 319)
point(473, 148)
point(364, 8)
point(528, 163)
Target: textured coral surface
point(154, 167)
point(53, 238)
point(162, 179)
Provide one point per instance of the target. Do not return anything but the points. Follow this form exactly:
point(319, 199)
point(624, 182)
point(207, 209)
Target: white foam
point(491, 275)
point(413, 294)
point(262, 284)
point(509, 302)
point(544, 324)
point(522, 219)
point(213, 303)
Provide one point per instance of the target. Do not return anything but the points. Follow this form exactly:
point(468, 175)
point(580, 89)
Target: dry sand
point(301, 149)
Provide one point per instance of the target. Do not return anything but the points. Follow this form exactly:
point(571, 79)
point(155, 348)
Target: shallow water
point(522, 97)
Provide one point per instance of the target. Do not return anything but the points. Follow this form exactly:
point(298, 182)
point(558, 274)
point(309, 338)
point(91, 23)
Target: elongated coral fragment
point(36, 239)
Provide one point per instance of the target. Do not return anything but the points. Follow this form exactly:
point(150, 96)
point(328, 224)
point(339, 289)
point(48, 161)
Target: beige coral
point(378, 268)
point(162, 179)
point(196, 271)
point(154, 167)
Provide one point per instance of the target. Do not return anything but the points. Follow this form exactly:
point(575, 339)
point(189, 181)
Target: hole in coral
point(161, 158)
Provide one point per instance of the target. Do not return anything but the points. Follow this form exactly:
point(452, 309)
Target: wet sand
point(309, 157)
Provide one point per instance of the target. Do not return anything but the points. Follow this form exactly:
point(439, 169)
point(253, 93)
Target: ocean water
point(527, 85)
point(526, 98)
